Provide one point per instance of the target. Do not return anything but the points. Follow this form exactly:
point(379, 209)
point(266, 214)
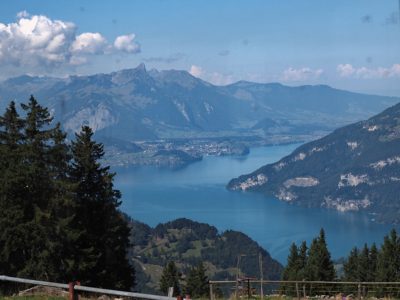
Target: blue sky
point(353, 45)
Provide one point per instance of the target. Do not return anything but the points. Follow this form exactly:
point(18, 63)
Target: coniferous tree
point(26, 192)
point(101, 248)
point(319, 264)
point(291, 271)
point(197, 282)
point(296, 267)
point(292, 267)
point(388, 263)
point(302, 261)
point(373, 260)
point(62, 207)
point(44, 259)
point(58, 222)
point(350, 267)
point(170, 278)
point(364, 264)
point(361, 265)
point(13, 205)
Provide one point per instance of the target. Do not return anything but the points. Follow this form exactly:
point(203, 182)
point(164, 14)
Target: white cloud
point(347, 70)
point(220, 79)
point(39, 45)
point(196, 71)
point(127, 44)
point(89, 43)
point(36, 42)
point(212, 77)
point(301, 74)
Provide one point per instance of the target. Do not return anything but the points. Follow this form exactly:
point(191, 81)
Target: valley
point(142, 115)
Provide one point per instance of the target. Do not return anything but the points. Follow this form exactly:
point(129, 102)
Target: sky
point(353, 45)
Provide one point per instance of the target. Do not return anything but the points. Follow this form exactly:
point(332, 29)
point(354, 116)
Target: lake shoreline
point(198, 192)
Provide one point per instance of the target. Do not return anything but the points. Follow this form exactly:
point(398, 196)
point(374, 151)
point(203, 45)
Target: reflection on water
point(198, 192)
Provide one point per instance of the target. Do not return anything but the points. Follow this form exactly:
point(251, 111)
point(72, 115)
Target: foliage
point(309, 264)
point(319, 264)
point(197, 282)
point(388, 264)
point(59, 218)
point(217, 252)
point(170, 278)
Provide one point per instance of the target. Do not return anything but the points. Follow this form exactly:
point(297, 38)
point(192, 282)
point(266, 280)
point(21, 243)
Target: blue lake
point(198, 192)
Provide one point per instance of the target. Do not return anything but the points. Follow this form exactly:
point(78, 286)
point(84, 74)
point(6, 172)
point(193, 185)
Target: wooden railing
point(74, 287)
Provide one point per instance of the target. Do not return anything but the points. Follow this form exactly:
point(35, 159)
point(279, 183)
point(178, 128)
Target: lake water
point(198, 192)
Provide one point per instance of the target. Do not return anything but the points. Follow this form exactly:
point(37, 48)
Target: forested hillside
point(189, 243)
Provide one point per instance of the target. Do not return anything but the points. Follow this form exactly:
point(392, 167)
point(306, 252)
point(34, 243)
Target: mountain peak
point(141, 67)
point(180, 77)
point(127, 75)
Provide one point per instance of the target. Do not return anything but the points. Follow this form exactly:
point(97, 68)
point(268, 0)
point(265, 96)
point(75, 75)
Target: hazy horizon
point(351, 46)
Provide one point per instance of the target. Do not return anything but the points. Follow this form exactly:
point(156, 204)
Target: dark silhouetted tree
point(197, 282)
point(101, 249)
point(170, 278)
point(319, 264)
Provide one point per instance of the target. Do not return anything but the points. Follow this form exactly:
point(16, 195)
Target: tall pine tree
point(388, 264)
point(292, 267)
point(59, 217)
point(170, 278)
point(319, 264)
point(303, 257)
point(101, 248)
point(14, 208)
point(373, 260)
point(197, 282)
point(364, 264)
point(44, 260)
point(350, 267)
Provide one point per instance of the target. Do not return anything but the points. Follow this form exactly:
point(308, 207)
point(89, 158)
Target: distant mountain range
point(355, 168)
point(137, 104)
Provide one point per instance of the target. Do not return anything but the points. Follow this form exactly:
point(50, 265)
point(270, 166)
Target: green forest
point(59, 217)
point(369, 264)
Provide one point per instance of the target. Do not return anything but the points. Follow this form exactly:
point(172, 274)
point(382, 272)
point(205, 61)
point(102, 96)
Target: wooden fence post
point(71, 291)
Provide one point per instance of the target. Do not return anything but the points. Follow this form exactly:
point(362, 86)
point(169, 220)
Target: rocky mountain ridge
point(136, 104)
point(355, 168)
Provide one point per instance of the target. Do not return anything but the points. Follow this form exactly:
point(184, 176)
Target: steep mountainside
point(355, 168)
point(137, 104)
point(187, 243)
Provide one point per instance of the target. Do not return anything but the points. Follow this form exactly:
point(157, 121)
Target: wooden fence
point(248, 288)
point(73, 288)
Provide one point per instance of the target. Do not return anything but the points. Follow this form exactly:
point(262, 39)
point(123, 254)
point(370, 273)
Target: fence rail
point(303, 289)
point(296, 289)
point(84, 288)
